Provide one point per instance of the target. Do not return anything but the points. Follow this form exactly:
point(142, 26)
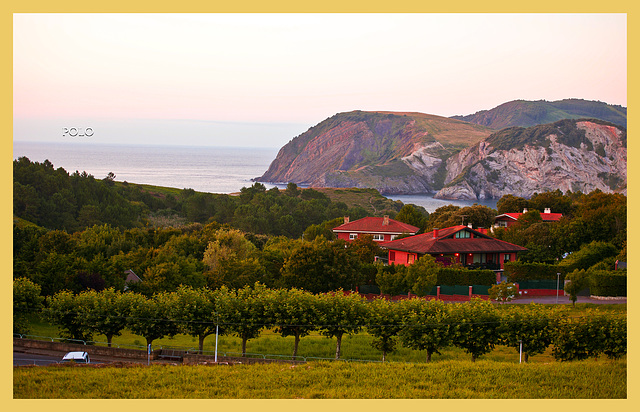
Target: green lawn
point(337, 380)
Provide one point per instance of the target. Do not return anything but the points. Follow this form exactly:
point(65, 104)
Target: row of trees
point(418, 324)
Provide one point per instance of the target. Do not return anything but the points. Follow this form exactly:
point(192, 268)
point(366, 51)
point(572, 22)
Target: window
point(394, 237)
point(479, 258)
point(463, 234)
point(507, 257)
point(501, 223)
point(411, 258)
point(353, 236)
point(378, 238)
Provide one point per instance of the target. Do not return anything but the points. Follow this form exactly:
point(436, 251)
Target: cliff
point(393, 152)
point(576, 155)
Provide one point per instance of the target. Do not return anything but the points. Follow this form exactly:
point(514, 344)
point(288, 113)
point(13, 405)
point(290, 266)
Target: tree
point(341, 313)
point(294, 313)
point(243, 312)
point(503, 292)
point(64, 310)
point(422, 275)
point(511, 204)
point(322, 266)
point(427, 325)
point(412, 215)
point(384, 323)
point(194, 309)
point(26, 300)
point(589, 255)
point(477, 327)
point(106, 312)
point(150, 317)
point(578, 280)
point(391, 279)
point(532, 325)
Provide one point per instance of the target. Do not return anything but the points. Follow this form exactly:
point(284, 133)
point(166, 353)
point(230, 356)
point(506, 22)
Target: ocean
point(204, 169)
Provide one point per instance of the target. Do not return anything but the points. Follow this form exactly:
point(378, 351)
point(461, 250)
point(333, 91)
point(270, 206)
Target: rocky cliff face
point(569, 155)
point(412, 153)
point(396, 153)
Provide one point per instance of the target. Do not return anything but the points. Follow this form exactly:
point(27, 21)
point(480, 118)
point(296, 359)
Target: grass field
point(602, 379)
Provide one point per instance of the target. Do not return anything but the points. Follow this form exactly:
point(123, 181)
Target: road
point(21, 359)
point(564, 300)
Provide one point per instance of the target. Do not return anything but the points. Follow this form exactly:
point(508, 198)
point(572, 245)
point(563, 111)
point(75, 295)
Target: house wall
point(399, 257)
point(386, 236)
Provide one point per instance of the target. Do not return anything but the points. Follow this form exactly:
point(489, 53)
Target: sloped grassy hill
point(531, 113)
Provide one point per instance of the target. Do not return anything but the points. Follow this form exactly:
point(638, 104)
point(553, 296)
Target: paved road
point(565, 300)
point(21, 359)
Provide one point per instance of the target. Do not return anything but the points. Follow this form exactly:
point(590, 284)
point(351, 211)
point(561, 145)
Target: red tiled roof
point(374, 225)
point(444, 243)
point(546, 217)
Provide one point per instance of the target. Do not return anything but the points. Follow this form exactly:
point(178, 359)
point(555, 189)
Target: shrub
point(608, 283)
point(521, 271)
point(504, 292)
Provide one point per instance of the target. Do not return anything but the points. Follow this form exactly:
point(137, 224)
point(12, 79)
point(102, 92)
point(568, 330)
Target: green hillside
point(523, 113)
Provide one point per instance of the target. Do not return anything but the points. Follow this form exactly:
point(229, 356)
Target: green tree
point(511, 204)
point(26, 300)
point(194, 309)
point(578, 280)
point(477, 327)
point(106, 312)
point(412, 215)
point(322, 266)
point(294, 312)
point(384, 323)
point(63, 309)
point(243, 312)
point(422, 275)
point(341, 313)
point(151, 317)
point(589, 255)
point(532, 325)
point(503, 292)
point(391, 279)
point(427, 325)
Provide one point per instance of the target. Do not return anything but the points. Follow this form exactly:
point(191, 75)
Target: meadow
point(484, 379)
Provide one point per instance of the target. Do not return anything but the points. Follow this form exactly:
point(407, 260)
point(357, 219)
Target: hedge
point(608, 283)
point(522, 271)
point(461, 276)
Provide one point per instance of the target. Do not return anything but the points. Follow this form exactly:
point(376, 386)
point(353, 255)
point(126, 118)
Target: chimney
point(385, 220)
point(346, 220)
point(525, 210)
point(435, 232)
point(547, 210)
point(470, 225)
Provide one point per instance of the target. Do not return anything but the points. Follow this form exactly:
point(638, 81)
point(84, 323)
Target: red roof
point(546, 217)
point(375, 225)
point(445, 242)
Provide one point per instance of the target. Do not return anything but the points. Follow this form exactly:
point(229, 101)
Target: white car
point(77, 357)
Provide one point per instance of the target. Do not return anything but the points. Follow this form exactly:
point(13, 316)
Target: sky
point(259, 80)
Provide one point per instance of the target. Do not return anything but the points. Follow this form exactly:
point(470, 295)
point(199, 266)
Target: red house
point(507, 219)
point(382, 229)
point(459, 244)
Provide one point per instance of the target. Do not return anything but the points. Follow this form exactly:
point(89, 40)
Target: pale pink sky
point(261, 79)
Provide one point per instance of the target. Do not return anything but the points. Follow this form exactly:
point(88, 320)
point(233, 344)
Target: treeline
point(593, 224)
point(196, 255)
point(430, 326)
point(54, 199)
